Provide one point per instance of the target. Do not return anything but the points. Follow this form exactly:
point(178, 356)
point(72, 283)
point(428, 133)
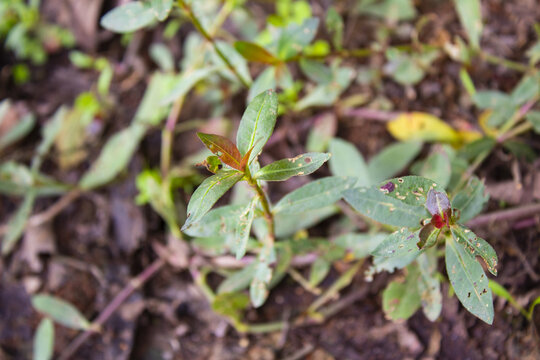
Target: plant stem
point(211, 40)
point(493, 59)
point(118, 300)
point(510, 214)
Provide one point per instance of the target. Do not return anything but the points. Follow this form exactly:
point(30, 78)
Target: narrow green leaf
point(223, 148)
point(151, 111)
point(44, 340)
point(289, 223)
point(257, 123)
point(162, 56)
point(489, 99)
point(284, 169)
point(128, 17)
point(238, 281)
point(60, 311)
point(401, 299)
point(428, 236)
point(319, 270)
point(243, 229)
point(284, 259)
point(392, 160)
point(471, 200)
point(114, 157)
point(316, 71)
point(17, 223)
point(477, 147)
point(314, 195)
point(429, 286)
point(470, 15)
point(208, 193)
point(334, 25)
point(185, 82)
point(348, 161)
point(500, 291)
point(19, 131)
point(265, 81)
point(534, 118)
point(258, 290)
point(373, 203)
point(527, 89)
point(236, 60)
point(321, 133)
point(256, 53)
point(437, 167)
point(360, 245)
point(295, 37)
point(469, 281)
point(476, 247)
point(220, 221)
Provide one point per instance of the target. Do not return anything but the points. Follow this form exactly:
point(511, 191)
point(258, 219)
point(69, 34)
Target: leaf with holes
point(315, 195)
point(257, 123)
point(284, 169)
point(399, 243)
point(60, 311)
point(243, 229)
point(476, 247)
point(223, 148)
point(469, 281)
point(208, 193)
point(375, 204)
point(412, 190)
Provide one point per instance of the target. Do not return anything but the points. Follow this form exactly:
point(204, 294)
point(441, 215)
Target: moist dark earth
point(102, 239)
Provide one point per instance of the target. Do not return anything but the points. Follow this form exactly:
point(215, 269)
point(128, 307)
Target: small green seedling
point(232, 163)
point(424, 215)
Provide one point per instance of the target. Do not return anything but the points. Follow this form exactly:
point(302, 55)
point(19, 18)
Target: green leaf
point(489, 99)
point(316, 71)
point(295, 37)
point(114, 157)
point(319, 270)
point(44, 340)
point(256, 53)
point(265, 81)
point(437, 167)
point(373, 203)
point(391, 10)
point(500, 291)
point(392, 160)
point(348, 161)
point(243, 229)
point(231, 305)
point(321, 133)
point(223, 148)
point(289, 223)
point(220, 221)
point(161, 8)
point(17, 223)
point(284, 169)
point(258, 289)
point(235, 59)
point(476, 246)
point(60, 311)
point(314, 195)
point(185, 82)
point(469, 281)
point(477, 147)
point(429, 286)
point(238, 281)
point(527, 89)
point(401, 299)
point(334, 25)
point(128, 17)
point(284, 258)
point(428, 236)
point(360, 245)
point(399, 243)
point(534, 118)
point(412, 190)
point(208, 193)
point(257, 123)
point(383, 263)
point(18, 132)
point(470, 16)
point(162, 56)
point(471, 200)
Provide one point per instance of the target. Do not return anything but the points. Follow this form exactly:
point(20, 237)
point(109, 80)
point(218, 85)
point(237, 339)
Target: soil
point(102, 239)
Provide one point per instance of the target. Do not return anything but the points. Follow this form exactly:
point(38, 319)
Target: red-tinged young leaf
point(253, 52)
point(437, 203)
point(223, 148)
point(245, 159)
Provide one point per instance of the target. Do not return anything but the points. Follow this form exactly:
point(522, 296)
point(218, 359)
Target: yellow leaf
point(422, 126)
point(483, 121)
point(468, 136)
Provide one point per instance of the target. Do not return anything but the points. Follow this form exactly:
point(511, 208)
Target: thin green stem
point(268, 215)
point(196, 22)
point(493, 59)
